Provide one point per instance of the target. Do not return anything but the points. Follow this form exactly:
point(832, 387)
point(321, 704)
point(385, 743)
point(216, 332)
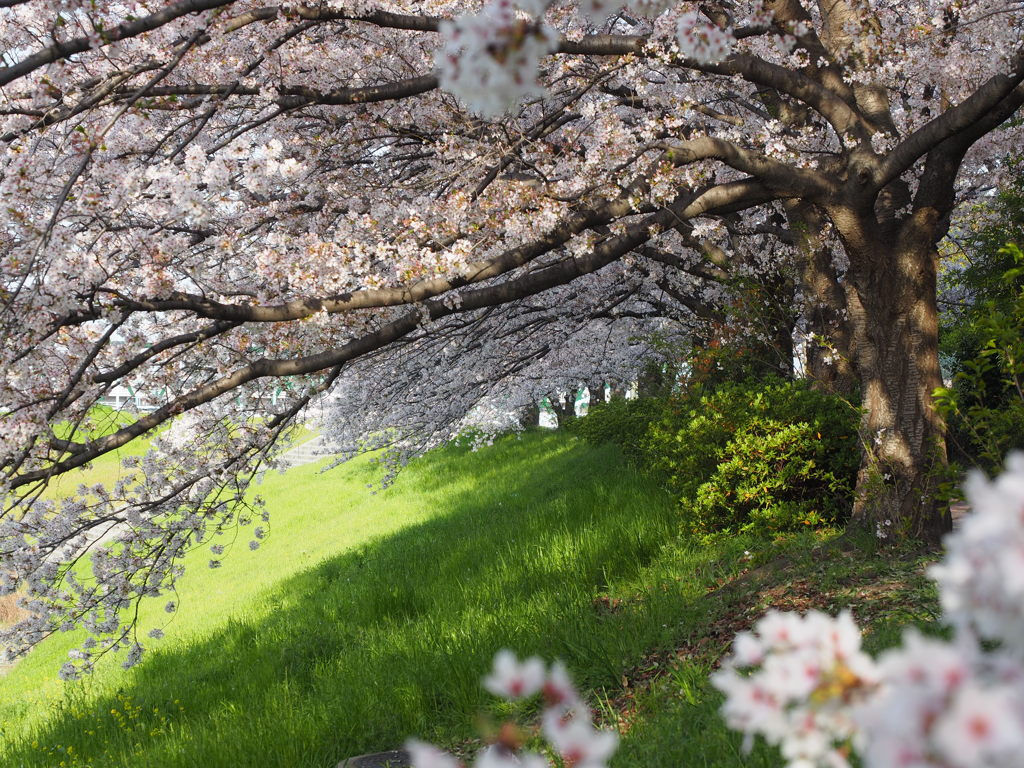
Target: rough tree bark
point(893, 316)
point(830, 350)
point(530, 415)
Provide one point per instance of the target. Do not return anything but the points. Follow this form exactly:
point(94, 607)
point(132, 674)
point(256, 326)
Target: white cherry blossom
point(513, 679)
point(489, 59)
point(566, 721)
point(792, 679)
point(701, 41)
point(424, 755)
point(802, 682)
point(981, 579)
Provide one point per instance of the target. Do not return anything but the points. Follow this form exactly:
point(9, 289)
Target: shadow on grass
point(391, 639)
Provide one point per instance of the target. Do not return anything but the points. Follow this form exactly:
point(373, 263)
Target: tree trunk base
point(897, 506)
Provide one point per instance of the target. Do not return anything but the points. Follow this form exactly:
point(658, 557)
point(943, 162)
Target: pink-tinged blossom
point(803, 683)
point(791, 679)
point(981, 579)
point(558, 688)
point(489, 60)
point(499, 756)
point(649, 8)
point(579, 743)
point(701, 41)
point(983, 726)
point(944, 704)
point(599, 10)
point(918, 680)
point(566, 722)
point(424, 755)
point(512, 679)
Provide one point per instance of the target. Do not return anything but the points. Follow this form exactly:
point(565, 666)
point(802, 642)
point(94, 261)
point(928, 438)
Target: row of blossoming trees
point(441, 209)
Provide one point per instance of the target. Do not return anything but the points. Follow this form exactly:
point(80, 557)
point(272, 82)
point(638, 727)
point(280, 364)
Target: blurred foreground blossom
point(803, 683)
point(566, 723)
point(489, 60)
point(703, 42)
point(981, 579)
point(512, 679)
point(792, 679)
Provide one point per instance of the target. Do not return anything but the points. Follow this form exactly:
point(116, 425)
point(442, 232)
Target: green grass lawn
point(367, 618)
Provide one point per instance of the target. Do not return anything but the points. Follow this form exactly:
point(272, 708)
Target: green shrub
point(761, 456)
point(765, 456)
point(774, 477)
point(985, 406)
point(620, 421)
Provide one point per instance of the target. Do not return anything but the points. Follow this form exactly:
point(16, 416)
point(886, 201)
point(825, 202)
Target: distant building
point(128, 397)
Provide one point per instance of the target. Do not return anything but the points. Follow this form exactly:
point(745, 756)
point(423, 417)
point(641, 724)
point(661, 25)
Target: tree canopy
point(434, 207)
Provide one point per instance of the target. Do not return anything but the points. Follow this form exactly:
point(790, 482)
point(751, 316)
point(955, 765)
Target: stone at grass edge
point(394, 758)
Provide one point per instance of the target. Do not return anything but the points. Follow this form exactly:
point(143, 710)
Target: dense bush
point(621, 421)
point(985, 406)
point(764, 456)
point(761, 456)
point(776, 477)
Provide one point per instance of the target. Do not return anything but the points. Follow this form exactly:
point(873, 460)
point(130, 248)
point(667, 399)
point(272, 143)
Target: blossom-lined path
point(305, 453)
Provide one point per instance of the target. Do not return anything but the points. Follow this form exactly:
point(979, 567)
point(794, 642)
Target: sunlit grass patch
point(367, 618)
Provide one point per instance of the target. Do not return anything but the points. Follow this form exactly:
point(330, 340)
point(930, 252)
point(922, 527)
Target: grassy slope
point(671, 717)
point(365, 619)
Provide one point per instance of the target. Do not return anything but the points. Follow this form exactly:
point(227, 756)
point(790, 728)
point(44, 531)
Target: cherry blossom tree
point(404, 398)
point(207, 197)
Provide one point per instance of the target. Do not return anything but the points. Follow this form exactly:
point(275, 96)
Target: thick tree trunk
point(894, 318)
point(530, 415)
point(596, 390)
point(830, 353)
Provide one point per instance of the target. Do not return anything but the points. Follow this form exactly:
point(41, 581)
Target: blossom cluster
point(489, 60)
point(803, 683)
point(791, 680)
point(944, 704)
point(703, 42)
point(981, 580)
point(566, 723)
